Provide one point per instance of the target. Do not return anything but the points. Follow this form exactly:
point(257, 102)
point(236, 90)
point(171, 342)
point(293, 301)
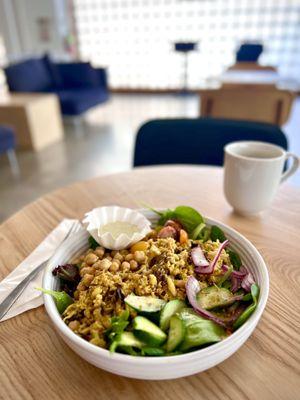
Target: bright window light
point(134, 38)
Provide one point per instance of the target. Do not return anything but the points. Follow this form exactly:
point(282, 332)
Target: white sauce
point(118, 227)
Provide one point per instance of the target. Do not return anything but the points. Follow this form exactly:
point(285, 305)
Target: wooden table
point(36, 119)
point(36, 364)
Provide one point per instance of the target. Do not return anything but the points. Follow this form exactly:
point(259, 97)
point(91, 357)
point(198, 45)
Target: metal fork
point(8, 302)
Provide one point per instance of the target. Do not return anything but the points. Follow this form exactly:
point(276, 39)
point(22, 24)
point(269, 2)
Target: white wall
point(20, 28)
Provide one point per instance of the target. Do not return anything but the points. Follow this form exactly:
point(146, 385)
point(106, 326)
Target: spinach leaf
point(247, 297)
point(62, 299)
point(250, 309)
point(165, 216)
point(235, 259)
point(187, 216)
point(199, 331)
point(92, 242)
point(216, 233)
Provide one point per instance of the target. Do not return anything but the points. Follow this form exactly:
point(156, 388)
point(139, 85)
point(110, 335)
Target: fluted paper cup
point(101, 216)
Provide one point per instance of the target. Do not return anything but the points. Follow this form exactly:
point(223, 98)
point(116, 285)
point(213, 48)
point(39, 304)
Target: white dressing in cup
point(118, 227)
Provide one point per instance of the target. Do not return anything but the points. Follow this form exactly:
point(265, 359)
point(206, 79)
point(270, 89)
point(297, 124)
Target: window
point(134, 38)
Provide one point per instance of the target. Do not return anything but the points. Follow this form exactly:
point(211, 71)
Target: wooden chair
point(262, 103)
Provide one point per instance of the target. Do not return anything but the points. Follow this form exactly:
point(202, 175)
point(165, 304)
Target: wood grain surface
point(36, 364)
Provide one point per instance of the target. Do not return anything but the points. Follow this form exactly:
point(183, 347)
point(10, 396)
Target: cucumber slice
point(212, 297)
point(176, 333)
point(152, 351)
point(148, 332)
point(144, 304)
point(171, 308)
point(126, 339)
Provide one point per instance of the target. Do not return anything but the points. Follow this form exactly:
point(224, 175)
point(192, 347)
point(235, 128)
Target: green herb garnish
point(92, 242)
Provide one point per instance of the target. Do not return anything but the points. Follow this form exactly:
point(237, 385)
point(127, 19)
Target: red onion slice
point(239, 274)
point(210, 268)
point(192, 287)
point(225, 268)
point(198, 257)
point(235, 283)
point(247, 282)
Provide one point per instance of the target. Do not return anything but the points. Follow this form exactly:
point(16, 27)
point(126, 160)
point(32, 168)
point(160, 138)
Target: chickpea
point(139, 256)
point(74, 325)
point(87, 270)
point(139, 246)
point(116, 260)
point(114, 267)
point(129, 257)
point(91, 258)
point(118, 256)
point(105, 264)
point(97, 265)
point(99, 251)
point(133, 265)
point(124, 252)
point(125, 266)
point(87, 279)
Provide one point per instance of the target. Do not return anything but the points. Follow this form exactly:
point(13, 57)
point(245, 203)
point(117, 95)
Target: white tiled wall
point(134, 38)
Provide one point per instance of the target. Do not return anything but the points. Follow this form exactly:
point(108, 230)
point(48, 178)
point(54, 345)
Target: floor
point(103, 144)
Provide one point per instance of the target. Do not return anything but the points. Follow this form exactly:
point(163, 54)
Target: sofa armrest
point(102, 77)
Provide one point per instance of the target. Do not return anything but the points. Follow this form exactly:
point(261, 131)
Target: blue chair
point(78, 85)
point(7, 145)
point(197, 141)
point(249, 52)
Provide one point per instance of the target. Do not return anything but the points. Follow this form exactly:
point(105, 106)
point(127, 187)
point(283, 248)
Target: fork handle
point(13, 296)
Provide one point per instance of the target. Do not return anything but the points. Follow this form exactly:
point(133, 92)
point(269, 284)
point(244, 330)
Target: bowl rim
point(244, 331)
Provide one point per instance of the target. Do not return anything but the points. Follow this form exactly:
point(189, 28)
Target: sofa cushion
point(76, 101)
point(78, 75)
point(53, 71)
point(28, 76)
point(7, 138)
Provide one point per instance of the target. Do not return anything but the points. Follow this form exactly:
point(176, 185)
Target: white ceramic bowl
point(160, 367)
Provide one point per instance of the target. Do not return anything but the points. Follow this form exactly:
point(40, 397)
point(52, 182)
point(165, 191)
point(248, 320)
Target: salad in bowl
point(179, 289)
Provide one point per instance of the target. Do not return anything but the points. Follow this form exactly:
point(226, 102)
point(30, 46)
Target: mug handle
point(293, 168)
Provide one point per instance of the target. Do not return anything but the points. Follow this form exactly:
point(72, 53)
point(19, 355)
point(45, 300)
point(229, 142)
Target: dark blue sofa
point(78, 85)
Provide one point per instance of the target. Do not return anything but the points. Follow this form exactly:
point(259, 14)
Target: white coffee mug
point(253, 172)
